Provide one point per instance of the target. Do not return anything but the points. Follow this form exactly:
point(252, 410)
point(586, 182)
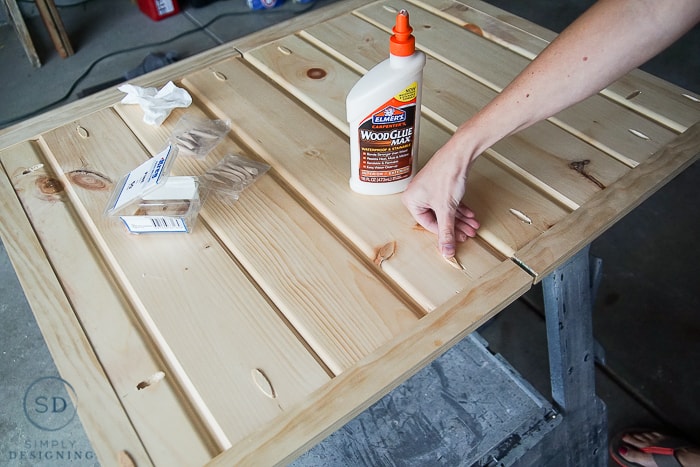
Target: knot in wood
point(579, 166)
point(89, 180)
point(49, 185)
point(316, 73)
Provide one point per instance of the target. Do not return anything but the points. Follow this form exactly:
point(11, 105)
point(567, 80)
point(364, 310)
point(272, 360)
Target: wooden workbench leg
point(568, 309)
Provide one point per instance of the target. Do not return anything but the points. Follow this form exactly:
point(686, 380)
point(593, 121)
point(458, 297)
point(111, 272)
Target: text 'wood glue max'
point(383, 109)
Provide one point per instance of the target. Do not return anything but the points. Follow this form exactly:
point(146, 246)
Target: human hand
point(434, 199)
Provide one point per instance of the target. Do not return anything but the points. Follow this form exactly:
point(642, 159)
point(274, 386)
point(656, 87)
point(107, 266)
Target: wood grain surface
point(110, 429)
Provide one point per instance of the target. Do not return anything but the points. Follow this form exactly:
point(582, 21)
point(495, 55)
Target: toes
point(643, 439)
point(638, 457)
point(634, 443)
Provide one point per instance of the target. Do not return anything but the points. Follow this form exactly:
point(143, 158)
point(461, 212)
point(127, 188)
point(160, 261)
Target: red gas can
point(159, 9)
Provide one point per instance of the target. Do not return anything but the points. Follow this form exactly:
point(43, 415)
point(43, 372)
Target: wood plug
point(384, 253)
point(125, 460)
point(639, 134)
point(82, 132)
point(520, 215)
point(454, 262)
point(33, 168)
point(263, 383)
point(151, 380)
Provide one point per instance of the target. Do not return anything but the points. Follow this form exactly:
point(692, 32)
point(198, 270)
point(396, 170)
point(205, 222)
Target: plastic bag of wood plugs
point(148, 199)
point(231, 176)
point(195, 137)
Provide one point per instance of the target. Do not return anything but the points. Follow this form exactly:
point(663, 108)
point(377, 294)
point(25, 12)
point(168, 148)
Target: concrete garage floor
point(647, 314)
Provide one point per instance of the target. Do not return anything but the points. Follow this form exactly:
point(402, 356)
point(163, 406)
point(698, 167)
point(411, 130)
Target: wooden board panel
point(288, 152)
point(450, 98)
point(305, 148)
point(596, 120)
point(332, 299)
point(238, 281)
point(164, 424)
point(349, 393)
point(666, 103)
point(189, 295)
point(108, 426)
point(287, 59)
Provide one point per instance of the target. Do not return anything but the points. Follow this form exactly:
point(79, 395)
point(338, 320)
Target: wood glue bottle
point(383, 109)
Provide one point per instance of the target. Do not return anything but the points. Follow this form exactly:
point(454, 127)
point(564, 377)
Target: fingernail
point(622, 450)
point(448, 251)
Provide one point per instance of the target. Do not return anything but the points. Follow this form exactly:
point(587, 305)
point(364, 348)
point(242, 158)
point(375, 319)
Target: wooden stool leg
point(52, 20)
point(22, 32)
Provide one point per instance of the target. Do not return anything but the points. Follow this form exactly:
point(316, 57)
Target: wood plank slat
point(107, 425)
point(335, 302)
point(209, 302)
point(166, 427)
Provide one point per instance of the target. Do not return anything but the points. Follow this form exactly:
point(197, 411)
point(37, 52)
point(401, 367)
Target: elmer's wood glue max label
point(386, 140)
point(383, 110)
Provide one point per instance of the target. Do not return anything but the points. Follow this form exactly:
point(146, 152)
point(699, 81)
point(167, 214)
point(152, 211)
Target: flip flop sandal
point(663, 452)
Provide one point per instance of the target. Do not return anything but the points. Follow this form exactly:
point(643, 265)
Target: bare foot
point(634, 442)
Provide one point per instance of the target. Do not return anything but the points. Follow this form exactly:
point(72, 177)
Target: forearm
point(611, 38)
point(608, 40)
